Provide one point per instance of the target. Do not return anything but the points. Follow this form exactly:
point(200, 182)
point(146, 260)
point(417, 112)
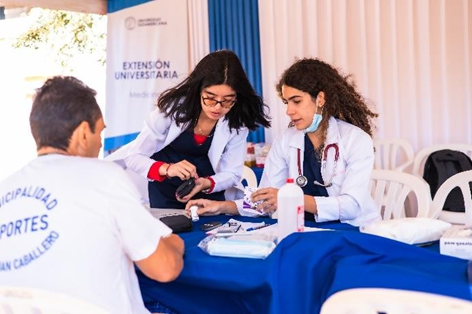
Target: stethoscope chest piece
point(301, 181)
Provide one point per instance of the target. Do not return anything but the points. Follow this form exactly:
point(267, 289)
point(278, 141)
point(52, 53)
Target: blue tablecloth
point(302, 272)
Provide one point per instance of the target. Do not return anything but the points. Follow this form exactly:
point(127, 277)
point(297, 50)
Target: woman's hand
point(212, 208)
point(183, 169)
point(200, 185)
point(268, 196)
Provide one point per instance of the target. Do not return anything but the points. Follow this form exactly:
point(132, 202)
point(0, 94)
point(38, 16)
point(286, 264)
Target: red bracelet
point(167, 170)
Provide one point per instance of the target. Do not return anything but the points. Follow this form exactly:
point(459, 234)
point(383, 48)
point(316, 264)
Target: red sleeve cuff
point(153, 173)
point(212, 186)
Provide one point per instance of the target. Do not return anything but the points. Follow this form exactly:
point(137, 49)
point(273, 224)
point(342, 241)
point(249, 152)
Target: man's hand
point(212, 208)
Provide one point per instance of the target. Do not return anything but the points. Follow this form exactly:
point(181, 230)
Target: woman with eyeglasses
point(199, 130)
point(327, 149)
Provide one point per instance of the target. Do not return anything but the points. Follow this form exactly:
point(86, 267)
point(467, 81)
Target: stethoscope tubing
point(302, 180)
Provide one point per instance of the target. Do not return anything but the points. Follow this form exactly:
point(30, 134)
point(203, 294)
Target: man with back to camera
point(73, 224)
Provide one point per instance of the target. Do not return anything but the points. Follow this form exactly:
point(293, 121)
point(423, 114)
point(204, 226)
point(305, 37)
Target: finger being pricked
point(205, 207)
point(191, 203)
point(201, 202)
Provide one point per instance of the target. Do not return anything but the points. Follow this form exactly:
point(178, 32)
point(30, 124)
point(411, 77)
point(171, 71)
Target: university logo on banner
point(147, 53)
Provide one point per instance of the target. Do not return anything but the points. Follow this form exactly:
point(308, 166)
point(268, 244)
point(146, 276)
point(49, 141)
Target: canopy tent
point(221, 32)
point(84, 6)
point(411, 60)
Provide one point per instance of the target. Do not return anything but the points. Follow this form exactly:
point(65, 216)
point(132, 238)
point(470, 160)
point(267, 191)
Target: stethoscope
point(302, 180)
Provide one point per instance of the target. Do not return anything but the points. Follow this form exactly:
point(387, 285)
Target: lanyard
point(302, 180)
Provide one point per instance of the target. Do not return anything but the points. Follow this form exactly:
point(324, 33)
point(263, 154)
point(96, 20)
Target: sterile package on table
point(457, 241)
point(243, 239)
point(239, 239)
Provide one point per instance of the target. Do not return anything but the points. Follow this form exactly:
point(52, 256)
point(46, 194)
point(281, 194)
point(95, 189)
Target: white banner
point(147, 52)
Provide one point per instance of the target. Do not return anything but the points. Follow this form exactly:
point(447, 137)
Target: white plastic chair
point(19, 300)
point(392, 301)
point(388, 153)
point(249, 176)
point(462, 181)
point(422, 155)
point(390, 190)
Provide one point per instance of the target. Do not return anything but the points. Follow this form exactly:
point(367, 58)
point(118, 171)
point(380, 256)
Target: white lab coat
point(349, 196)
point(227, 151)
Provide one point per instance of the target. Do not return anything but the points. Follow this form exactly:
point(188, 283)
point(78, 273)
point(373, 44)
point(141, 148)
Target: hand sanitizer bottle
point(291, 209)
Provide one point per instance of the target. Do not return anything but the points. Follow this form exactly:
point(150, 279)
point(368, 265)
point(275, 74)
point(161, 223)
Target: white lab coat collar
point(297, 141)
point(332, 136)
point(221, 135)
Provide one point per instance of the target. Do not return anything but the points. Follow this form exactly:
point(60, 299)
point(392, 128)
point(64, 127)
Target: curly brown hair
point(342, 100)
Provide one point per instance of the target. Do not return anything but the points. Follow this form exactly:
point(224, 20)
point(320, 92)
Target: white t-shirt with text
point(75, 225)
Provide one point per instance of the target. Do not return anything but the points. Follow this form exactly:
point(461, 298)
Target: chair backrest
point(19, 300)
point(392, 301)
point(422, 155)
point(389, 153)
point(249, 176)
point(390, 190)
point(463, 181)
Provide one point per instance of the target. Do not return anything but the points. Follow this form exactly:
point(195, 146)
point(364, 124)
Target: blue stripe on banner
point(117, 5)
point(228, 32)
point(118, 141)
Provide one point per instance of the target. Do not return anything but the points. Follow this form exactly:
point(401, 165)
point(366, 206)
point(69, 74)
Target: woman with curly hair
point(327, 148)
point(198, 130)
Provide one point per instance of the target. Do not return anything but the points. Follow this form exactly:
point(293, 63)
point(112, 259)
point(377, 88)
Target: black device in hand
point(185, 188)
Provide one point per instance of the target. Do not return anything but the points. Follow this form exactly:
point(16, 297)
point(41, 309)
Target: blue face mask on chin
point(315, 124)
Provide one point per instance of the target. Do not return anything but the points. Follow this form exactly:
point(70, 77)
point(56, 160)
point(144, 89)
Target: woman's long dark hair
point(342, 100)
point(183, 102)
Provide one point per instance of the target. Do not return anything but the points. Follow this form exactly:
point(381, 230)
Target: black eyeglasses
point(212, 102)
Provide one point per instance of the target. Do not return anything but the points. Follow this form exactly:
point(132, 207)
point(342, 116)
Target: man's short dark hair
point(59, 106)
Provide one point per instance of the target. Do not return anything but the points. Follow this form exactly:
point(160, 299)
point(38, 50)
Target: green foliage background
point(65, 34)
